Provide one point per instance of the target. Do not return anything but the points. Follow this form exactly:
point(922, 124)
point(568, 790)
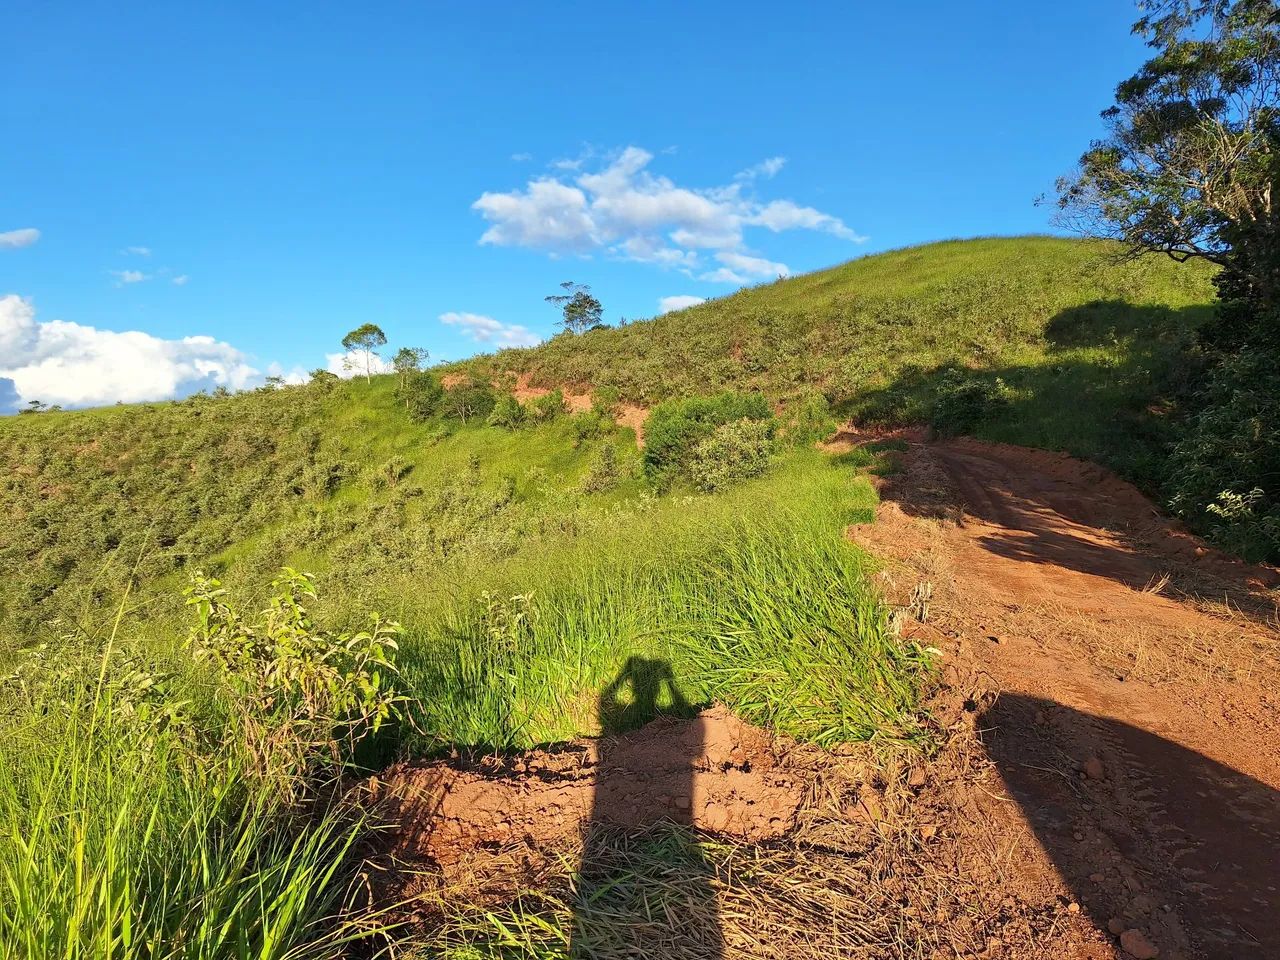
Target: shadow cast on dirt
point(1198, 878)
point(640, 856)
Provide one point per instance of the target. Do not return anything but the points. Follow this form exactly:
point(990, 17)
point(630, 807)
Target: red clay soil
point(625, 415)
point(1137, 732)
point(714, 773)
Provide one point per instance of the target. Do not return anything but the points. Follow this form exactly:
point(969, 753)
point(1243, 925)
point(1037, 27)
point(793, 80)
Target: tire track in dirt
point(1137, 732)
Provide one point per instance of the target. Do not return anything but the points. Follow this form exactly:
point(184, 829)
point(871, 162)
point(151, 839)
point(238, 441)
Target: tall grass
point(135, 825)
point(122, 838)
point(752, 598)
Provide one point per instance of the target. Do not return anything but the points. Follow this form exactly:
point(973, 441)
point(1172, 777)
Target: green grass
point(1095, 351)
point(121, 839)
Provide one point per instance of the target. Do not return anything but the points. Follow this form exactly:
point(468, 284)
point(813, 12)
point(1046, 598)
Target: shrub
point(962, 401)
point(421, 394)
point(605, 400)
point(547, 407)
point(506, 413)
point(300, 694)
point(675, 427)
point(586, 426)
point(733, 452)
point(809, 420)
point(604, 470)
point(471, 399)
point(1223, 471)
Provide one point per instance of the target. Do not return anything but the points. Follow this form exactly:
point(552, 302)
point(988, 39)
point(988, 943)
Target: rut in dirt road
point(1139, 733)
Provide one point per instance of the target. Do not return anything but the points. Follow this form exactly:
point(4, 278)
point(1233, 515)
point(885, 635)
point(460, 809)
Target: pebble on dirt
point(1136, 945)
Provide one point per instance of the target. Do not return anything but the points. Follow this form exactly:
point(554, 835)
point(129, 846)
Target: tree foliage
point(408, 361)
point(1189, 166)
point(579, 310)
point(365, 341)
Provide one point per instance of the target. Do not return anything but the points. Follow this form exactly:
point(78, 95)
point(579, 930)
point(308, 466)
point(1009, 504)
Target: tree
point(580, 311)
point(365, 340)
point(422, 393)
point(408, 361)
point(1189, 167)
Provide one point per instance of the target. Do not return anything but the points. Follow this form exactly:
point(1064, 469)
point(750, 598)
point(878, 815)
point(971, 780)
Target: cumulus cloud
point(180, 280)
point(124, 277)
point(136, 251)
point(351, 364)
point(65, 363)
point(784, 215)
point(741, 268)
point(679, 302)
point(14, 239)
point(625, 210)
point(487, 330)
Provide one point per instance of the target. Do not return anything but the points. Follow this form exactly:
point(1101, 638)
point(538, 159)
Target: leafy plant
point(547, 407)
point(675, 427)
point(733, 452)
point(506, 413)
point(301, 694)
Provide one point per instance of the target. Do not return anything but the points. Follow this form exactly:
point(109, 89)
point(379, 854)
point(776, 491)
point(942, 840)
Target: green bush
point(547, 407)
point(421, 394)
point(733, 452)
point(675, 427)
point(962, 401)
point(506, 413)
point(604, 471)
point(1224, 473)
point(809, 420)
point(586, 426)
point(468, 401)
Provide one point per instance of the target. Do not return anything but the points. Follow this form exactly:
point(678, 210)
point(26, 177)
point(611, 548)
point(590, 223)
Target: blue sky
point(294, 170)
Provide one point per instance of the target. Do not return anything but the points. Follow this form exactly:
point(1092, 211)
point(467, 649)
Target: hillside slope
point(1089, 349)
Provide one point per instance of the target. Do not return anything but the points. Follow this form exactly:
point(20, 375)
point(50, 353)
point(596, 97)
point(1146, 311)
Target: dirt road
point(1134, 707)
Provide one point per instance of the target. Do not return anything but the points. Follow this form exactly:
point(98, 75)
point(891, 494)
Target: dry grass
point(888, 859)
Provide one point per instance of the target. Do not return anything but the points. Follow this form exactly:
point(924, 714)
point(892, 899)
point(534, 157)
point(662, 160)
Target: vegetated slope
point(313, 475)
point(1089, 349)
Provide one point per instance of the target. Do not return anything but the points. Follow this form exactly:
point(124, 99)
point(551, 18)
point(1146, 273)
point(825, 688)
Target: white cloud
point(124, 277)
point(59, 362)
point(137, 251)
point(624, 210)
point(784, 215)
point(767, 169)
point(351, 364)
point(739, 266)
point(679, 302)
point(180, 280)
point(14, 239)
point(487, 330)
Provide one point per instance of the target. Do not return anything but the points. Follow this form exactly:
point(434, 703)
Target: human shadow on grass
point(1151, 836)
point(644, 886)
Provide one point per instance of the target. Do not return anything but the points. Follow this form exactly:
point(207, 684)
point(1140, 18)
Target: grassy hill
point(160, 734)
point(1089, 350)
